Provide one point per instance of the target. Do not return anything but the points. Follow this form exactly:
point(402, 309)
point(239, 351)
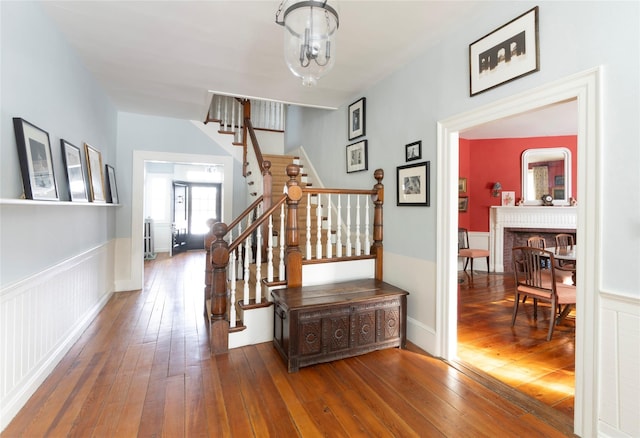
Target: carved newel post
point(293, 254)
point(378, 201)
point(209, 238)
point(219, 333)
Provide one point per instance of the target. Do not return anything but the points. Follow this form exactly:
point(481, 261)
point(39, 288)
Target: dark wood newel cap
point(219, 229)
point(293, 170)
point(378, 175)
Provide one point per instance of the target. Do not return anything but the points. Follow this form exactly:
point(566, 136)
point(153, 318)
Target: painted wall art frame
point(462, 185)
point(112, 187)
point(75, 174)
point(413, 184)
point(36, 161)
point(96, 179)
point(509, 52)
point(413, 151)
point(463, 203)
point(357, 157)
point(357, 119)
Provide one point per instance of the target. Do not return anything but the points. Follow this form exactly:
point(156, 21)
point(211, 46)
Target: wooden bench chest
point(315, 324)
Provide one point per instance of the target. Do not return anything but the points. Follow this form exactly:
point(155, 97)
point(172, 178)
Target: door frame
point(586, 88)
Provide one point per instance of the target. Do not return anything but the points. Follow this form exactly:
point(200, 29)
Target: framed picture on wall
point(75, 174)
point(463, 203)
point(507, 53)
point(357, 157)
point(413, 184)
point(36, 162)
point(462, 185)
point(112, 188)
point(96, 179)
point(508, 199)
point(413, 151)
point(357, 118)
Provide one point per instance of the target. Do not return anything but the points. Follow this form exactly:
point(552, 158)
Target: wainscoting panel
point(42, 316)
point(619, 373)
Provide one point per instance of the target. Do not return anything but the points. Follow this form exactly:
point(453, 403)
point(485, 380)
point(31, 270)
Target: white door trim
point(586, 88)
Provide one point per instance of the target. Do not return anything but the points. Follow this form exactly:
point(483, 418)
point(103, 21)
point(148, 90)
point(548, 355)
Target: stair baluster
point(319, 228)
point(358, 244)
point(247, 259)
point(281, 240)
point(308, 228)
point(270, 251)
point(329, 247)
point(339, 229)
point(232, 285)
point(258, 282)
point(348, 226)
point(367, 242)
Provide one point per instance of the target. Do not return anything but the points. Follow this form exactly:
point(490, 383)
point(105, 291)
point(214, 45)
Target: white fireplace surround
point(524, 217)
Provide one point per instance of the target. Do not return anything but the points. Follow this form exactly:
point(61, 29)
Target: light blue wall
point(405, 107)
point(43, 82)
point(138, 132)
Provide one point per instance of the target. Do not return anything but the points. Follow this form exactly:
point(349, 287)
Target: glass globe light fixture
point(309, 37)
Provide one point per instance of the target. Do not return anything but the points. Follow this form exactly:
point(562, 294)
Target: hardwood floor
point(519, 356)
point(143, 369)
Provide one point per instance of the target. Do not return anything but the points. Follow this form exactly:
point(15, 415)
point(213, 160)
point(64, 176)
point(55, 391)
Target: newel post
point(267, 200)
point(219, 333)
point(208, 268)
point(293, 254)
point(378, 201)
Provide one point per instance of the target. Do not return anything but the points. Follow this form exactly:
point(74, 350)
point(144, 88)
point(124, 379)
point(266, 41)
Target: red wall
point(483, 162)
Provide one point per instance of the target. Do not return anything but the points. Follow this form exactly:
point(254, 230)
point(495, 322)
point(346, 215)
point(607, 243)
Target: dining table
point(567, 254)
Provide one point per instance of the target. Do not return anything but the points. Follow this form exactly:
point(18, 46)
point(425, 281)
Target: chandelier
point(309, 37)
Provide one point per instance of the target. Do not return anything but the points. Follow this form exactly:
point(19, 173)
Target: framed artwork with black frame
point(413, 184)
point(75, 174)
point(357, 158)
point(96, 180)
point(357, 118)
point(413, 151)
point(112, 188)
point(507, 53)
point(36, 161)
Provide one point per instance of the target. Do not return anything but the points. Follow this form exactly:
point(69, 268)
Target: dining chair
point(537, 242)
point(564, 243)
point(469, 253)
point(535, 280)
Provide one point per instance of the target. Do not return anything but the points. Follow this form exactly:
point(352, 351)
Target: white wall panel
point(42, 316)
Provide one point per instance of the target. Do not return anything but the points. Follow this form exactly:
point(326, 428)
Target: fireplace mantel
point(565, 218)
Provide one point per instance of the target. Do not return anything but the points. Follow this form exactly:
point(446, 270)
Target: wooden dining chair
point(469, 253)
point(537, 242)
point(564, 243)
point(535, 280)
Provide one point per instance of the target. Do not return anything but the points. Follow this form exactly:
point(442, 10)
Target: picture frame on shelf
point(36, 161)
point(463, 203)
point(412, 182)
point(357, 156)
point(96, 178)
point(112, 188)
point(507, 53)
point(75, 174)
point(462, 185)
point(413, 151)
point(508, 199)
point(356, 120)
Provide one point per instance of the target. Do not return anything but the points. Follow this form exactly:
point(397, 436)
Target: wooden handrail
point(244, 214)
point(323, 190)
point(254, 141)
point(259, 221)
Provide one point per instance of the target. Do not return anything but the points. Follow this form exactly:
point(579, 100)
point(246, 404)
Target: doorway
point(585, 87)
point(193, 205)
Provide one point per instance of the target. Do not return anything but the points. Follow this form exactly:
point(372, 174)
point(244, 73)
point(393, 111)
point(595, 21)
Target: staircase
point(290, 227)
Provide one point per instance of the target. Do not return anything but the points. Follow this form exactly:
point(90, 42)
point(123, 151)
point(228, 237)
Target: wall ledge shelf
point(34, 202)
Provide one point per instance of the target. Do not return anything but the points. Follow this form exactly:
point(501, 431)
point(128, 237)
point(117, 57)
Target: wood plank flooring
point(519, 356)
point(143, 369)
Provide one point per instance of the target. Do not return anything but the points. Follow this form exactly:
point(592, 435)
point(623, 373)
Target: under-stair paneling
point(620, 373)
point(313, 274)
point(42, 316)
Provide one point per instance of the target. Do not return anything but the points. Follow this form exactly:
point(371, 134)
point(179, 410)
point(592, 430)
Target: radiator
point(149, 253)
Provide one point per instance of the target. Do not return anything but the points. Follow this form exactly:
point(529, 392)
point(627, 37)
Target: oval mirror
point(546, 172)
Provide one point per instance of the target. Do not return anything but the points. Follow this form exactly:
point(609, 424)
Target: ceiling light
point(309, 37)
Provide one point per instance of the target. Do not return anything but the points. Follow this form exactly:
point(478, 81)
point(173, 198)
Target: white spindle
point(319, 227)
point(233, 116)
point(281, 271)
point(247, 257)
point(232, 275)
point(258, 262)
point(348, 225)
point(219, 108)
point(358, 243)
point(270, 251)
point(329, 247)
point(240, 263)
point(367, 242)
point(308, 226)
point(339, 229)
point(240, 123)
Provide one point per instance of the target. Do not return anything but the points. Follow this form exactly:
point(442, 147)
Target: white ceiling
point(164, 57)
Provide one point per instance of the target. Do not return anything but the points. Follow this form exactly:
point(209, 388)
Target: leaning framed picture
point(357, 158)
point(75, 174)
point(413, 151)
point(36, 162)
point(357, 118)
point(463, 203)
point(507, 53)
point(413, 184)
point(112, 188)
point(96, 180)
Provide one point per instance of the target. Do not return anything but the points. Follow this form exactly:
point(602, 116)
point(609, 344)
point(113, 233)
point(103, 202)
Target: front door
point(202, 201)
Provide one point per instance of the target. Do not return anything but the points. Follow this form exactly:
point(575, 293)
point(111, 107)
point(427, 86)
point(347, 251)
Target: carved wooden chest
point(315, 324)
